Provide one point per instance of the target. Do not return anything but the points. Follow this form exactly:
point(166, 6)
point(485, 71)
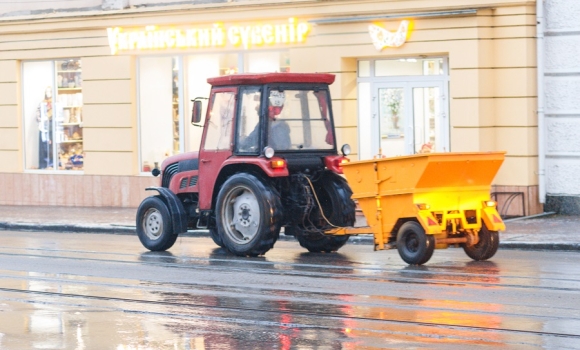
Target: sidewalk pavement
point(554, 232)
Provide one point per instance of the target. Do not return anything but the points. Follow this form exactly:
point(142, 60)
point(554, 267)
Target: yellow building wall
point(491, 68)
point(492, 79)
point(110, 127)
point(10, 132)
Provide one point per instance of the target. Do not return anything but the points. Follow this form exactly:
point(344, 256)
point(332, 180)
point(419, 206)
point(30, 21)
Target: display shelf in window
point(69, 90)
point(69, 121)
point(72, 141)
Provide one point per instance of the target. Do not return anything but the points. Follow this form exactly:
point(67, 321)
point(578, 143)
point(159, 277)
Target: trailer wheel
point(248, 215)
point(154, 226)
point(414, 246)
point(486, 247)
point(215, 236)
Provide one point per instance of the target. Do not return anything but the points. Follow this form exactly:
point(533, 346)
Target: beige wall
point(491, 67)
point(492, 79)
point(10, 132)
point(110, 126)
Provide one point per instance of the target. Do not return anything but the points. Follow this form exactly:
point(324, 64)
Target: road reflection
point(270, 318)
point(295, 300)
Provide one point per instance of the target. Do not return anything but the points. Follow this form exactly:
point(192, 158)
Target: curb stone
point(356, 239)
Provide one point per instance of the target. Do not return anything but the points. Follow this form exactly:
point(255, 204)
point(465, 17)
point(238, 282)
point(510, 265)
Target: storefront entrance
point(401, 115)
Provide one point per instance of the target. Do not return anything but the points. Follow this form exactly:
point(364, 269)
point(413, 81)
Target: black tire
point(154, 226)
point(215, 236)
point(414, 246)
point(334, 195)
point(486, 247)
point(254, 213)
point(319, 243)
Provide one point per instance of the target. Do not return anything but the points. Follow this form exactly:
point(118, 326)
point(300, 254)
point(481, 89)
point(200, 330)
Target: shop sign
point(216, 36)
point(383, 38)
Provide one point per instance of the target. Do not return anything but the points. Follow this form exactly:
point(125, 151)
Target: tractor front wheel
point(414, 245)
point(486, 247)
point(248, 215)
point(154, 226)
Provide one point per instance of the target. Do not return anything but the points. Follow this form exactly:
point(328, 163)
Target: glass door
point(391, 119)
point(430, 122)
point(408, 118)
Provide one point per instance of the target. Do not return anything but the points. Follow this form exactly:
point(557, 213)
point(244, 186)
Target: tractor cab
point(276, 114)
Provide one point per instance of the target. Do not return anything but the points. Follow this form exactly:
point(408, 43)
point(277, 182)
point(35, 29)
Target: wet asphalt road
point(100, 291)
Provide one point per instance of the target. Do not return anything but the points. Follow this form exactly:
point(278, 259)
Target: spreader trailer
point(430, 201)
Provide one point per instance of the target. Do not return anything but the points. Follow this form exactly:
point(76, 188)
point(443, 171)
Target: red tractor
point(268, 159)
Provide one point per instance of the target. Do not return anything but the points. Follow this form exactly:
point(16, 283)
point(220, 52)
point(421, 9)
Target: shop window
point(267, 62)
point(409, 66)
point(52, 107)
point(159, 111)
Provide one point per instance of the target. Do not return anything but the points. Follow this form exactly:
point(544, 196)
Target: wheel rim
point(241, 215)
point(153, 224)
point(412, 242)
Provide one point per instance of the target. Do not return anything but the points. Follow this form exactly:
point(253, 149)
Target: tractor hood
point(188, 156)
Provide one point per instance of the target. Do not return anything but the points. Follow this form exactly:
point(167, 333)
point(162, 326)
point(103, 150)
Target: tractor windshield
point(299, 120)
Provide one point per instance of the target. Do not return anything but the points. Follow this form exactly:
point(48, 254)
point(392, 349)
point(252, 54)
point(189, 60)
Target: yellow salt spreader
point(429, 201)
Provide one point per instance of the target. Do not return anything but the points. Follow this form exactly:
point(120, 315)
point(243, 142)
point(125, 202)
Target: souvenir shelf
point(175, 111)
point(69, 127)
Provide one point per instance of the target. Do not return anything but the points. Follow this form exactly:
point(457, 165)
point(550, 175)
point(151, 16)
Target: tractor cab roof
point(267, 78)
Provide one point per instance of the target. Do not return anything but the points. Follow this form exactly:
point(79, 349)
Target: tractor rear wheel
point(248, 215)
point(215, 236)
point(318, 242)
point(154, 226)
point(486, 247)
point(414, 245)
point(334, 195)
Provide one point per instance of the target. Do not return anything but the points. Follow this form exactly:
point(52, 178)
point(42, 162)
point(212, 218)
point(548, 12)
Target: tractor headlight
point(345, 149)
point(269, 152)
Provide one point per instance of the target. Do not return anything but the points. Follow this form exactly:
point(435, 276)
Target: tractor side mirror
point(196, 112)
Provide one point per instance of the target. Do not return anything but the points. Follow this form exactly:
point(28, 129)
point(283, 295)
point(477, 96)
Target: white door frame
point(367, 123)
point(441, 121)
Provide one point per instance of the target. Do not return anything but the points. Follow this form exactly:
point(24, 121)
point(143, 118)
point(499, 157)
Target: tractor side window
point(219, 126)
point(249, 123)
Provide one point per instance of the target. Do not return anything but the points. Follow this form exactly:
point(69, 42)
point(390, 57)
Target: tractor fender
point(176, 210)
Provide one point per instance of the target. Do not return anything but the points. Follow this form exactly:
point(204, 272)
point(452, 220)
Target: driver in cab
point(278, 130)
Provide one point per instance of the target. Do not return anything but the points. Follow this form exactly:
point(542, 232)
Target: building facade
point(561, 81)
point(92, 99)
